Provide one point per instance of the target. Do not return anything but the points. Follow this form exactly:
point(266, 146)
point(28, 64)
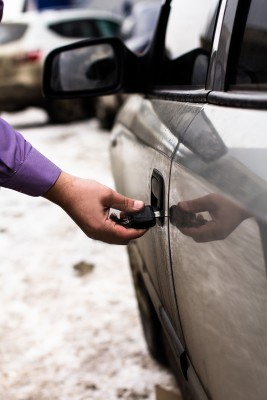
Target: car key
point(147, 218)
point(144, 219)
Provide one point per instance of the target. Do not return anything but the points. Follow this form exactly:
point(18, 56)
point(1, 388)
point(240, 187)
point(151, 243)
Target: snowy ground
point(67, 333)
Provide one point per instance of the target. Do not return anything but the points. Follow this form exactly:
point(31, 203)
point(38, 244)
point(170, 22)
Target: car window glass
point(251, 69)
point(75, 29)
point(188, 41)
point(11, 32)
point(107, 28)
point(138, 28)
point(145, 19)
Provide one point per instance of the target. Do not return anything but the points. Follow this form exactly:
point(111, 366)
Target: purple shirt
point(22, 167)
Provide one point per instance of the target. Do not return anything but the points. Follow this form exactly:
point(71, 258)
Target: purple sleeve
point(22, 167)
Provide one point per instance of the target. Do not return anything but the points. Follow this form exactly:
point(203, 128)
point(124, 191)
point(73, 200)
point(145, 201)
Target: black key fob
point(144, 219)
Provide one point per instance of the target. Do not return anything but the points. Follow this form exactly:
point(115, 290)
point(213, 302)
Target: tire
point(150, 323)
point(106, 120)
point(106, 110)
point(70, 110)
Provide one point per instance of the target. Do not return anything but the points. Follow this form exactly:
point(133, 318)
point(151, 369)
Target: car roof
point(50, 16)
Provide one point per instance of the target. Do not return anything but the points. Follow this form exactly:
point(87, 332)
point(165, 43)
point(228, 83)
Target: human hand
point(225, 217)
point(88, 203)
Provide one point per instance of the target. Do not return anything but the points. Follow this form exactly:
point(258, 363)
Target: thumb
point(122, 203)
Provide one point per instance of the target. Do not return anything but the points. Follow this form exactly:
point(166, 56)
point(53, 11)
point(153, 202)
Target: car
point(24, 43)
point(191, 142)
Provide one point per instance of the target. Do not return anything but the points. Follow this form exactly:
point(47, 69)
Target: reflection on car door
point(219, 261)
point(220, 282)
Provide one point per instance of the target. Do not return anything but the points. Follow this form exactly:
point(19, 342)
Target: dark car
point(193, 144)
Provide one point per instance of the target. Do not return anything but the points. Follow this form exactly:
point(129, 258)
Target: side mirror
point(91, 68)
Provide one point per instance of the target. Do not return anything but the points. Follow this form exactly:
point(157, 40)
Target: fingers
point(196, 205)
point(122, 203)
point(116, 234)
point(125, 235)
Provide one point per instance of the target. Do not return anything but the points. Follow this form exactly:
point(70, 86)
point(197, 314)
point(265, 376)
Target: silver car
point(193, 144)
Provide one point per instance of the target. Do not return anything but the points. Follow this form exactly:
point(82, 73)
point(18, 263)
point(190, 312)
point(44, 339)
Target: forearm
point(88, 203)
point(22, 167)
point(60, 192)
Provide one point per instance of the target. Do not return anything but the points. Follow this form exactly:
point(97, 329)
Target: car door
point(219, 259)
point(141, 152)
point(144, 141)
point(178, 97)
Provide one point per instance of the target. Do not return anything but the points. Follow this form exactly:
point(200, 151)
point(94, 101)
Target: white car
point(194, 147)
point(24, 44)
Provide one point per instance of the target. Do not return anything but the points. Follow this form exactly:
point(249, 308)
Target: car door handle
point(157, 193)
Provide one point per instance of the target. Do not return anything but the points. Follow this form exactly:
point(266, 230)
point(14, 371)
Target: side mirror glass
point(83, 68)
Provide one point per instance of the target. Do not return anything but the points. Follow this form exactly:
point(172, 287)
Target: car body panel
point(221, 285)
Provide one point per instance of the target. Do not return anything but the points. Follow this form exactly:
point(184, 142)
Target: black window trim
point(190, 95)
point(227, 96)
point(215, 45)
point(254, 100)
point(220, 54)
point(236, 40)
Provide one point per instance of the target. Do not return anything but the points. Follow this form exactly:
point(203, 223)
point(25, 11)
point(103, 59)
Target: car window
point(145, 18)
point(11, 32)
point(82, 28)
point(251, 68)
point(107, 28)
point(138, 28)
point(188, 42)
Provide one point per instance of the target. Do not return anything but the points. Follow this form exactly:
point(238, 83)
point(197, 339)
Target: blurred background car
point(24, 43)
point(121, 7)
point(136, 31)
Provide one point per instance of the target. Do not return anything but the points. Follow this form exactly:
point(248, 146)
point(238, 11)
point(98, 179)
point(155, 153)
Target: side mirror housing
point(92, 68)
